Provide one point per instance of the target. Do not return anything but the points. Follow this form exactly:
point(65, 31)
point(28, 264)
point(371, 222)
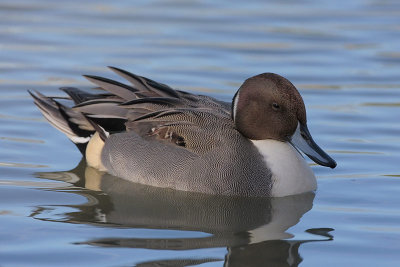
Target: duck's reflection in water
point(252, 229)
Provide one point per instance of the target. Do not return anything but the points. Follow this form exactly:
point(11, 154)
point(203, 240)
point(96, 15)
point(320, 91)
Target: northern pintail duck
point(149, 133)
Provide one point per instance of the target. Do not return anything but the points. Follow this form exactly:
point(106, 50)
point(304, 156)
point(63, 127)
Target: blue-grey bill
point(303, 141)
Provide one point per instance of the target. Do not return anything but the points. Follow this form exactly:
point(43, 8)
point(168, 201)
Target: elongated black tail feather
point(73, 124)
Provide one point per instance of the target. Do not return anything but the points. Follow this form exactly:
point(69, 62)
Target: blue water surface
point(344, 58)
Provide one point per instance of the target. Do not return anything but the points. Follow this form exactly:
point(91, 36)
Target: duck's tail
point(72, 123)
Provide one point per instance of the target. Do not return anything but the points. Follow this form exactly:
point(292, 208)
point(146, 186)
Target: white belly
point(290, 172)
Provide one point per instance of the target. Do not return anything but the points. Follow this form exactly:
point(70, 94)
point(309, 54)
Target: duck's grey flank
point(155, 135)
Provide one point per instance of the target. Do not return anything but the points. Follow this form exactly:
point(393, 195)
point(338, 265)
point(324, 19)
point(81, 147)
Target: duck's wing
point(146, 102)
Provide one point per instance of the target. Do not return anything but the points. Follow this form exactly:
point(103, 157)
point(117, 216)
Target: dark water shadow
point(252, 229)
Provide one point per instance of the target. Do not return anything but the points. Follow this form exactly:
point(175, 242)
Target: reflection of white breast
point(285, 213)
point(290, 172)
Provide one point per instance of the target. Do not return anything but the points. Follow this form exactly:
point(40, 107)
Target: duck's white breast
point(290, 172)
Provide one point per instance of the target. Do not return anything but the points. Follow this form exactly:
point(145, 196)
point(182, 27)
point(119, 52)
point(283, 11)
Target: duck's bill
point(303, 141)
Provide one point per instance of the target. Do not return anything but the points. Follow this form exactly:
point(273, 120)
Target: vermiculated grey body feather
point(214, 160)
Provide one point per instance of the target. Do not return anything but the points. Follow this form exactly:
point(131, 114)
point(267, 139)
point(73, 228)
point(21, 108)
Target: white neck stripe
point(235, 102)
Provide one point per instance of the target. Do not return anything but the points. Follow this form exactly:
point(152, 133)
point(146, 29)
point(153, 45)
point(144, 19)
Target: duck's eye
point(276, 106)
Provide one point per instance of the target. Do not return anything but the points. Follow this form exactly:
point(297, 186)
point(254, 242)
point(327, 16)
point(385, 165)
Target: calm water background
point(342, 55)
